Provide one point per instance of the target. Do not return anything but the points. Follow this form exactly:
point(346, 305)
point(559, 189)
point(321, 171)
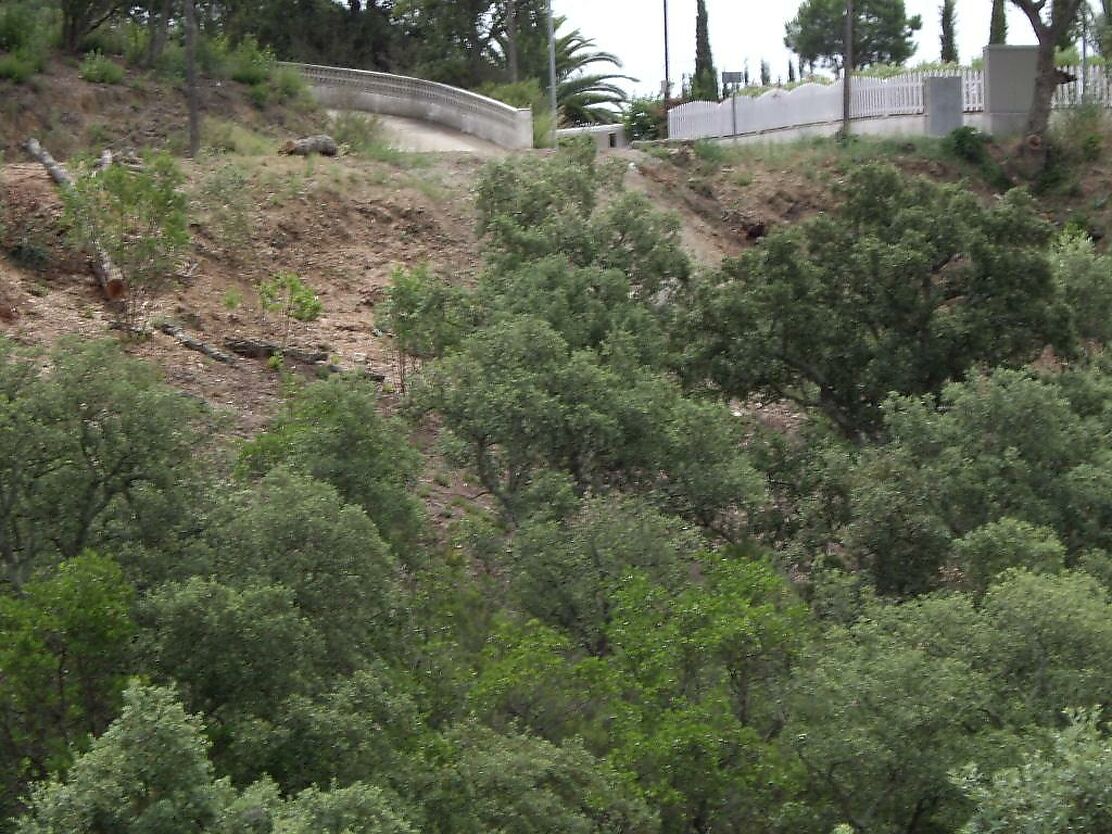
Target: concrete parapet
point(415, 98)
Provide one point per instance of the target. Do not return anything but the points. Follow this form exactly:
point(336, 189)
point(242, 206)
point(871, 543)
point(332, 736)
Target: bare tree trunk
point(1048, 32)
point(847, 72)
point(191, 79)
point(511, 39)
point(1046, 81)
point(160, 31)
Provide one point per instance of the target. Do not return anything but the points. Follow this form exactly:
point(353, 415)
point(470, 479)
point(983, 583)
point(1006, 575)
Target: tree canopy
point(883, 32)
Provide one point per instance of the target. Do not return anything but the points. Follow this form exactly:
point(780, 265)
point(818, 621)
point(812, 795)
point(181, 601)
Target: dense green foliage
point(883, 32)
point(475, 44)
point(658, 615)
point(704, 84)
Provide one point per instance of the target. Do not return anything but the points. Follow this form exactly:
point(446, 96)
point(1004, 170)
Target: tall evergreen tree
point(705, 83)
point(998, 32)
point(949, 38)
point(791, 72)
point(766, 74)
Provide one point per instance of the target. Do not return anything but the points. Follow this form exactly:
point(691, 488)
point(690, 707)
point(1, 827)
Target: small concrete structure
point(414, 98)
point(942, 106)
point(1010, 73)
point(606, 137)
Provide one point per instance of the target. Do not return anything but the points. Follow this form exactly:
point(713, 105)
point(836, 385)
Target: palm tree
point(582, 96)
point(587, 97)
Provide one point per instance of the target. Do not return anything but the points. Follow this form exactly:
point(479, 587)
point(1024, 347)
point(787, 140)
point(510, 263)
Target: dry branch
point(324, 145)
point(108, 275)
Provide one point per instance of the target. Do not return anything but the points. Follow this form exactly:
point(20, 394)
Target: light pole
point(552, 72)
point(847, 72)
point(667, 63)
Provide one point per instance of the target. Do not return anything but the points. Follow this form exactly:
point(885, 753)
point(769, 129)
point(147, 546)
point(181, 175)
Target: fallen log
point(321, 144)
point(108, 275)
point(263, 349)
point(196, 344)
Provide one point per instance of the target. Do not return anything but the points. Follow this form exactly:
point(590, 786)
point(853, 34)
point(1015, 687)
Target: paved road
point(425, 137)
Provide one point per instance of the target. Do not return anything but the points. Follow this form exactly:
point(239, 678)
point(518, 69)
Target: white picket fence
point(819, 104)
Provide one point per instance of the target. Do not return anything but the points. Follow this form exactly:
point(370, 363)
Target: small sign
point(733, 78)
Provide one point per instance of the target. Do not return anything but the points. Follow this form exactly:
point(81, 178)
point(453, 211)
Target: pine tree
point(766, 74)
point(705, 84)
point(998, 33)
point(949, 38)
point(791, 72)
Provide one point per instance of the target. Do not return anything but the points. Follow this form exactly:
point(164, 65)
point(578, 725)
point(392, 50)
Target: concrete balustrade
point(414, 98)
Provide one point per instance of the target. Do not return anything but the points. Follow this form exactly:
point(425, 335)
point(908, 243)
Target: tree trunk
point(160, 31)
point(511, 39)
point(191, 79)
point(1046, 81)
point(108, 275)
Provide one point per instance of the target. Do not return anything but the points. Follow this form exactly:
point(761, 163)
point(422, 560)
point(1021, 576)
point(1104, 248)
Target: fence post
point(1010, 73)
point(942, 105)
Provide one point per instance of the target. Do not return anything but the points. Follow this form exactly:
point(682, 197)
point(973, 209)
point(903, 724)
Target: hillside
point(637, 492)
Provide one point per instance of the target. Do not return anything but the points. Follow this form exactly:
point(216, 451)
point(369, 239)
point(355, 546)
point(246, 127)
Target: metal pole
point(847, 72)
point(552, 72)
point(1084, 52)
point(667, 63)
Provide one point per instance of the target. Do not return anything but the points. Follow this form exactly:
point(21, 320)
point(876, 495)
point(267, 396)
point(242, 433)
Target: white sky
point(741, 29)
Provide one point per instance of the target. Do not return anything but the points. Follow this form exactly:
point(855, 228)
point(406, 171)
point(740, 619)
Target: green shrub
point(16, 68)
point(645, 120)
point(711, 152)
point(259, 95)
point(968, 144)
point(527, 94)
point(26, 30)
point(291, 297)
point(288, 85)
point(225, 202)
point(250, 63)
point(100, 70)
point(360, 133)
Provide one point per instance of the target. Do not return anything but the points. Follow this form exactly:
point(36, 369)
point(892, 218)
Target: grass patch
point(224, 136)
point(362, 135)
point(16, 68)
point(97, 69)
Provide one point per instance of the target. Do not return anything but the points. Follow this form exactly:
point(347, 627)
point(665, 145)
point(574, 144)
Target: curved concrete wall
point(415, 98)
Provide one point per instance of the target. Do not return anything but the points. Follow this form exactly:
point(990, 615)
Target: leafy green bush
point(288, 295)
point(288, 85)
point(259, 94)
point(645, 120)
point(224, 196)
point(968, 144)
point(139, 218)
point(251, 64)
point(100, 70)
point(361, 134)
point(527, 93)
point(26, 30)
point(15, 67)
